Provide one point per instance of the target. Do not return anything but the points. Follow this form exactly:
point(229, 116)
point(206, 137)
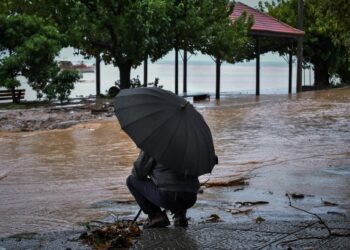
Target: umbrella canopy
point(168, 128)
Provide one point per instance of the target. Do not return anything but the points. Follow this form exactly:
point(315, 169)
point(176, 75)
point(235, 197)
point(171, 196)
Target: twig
point(203, 183)
point(318, 217)
point(330, 233)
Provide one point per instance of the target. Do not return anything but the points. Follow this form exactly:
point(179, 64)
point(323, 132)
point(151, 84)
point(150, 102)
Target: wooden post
point(98, 75)
point(218, 69)
point(300, 45)
point(290, 71)
point(257, 92)
point(176, 71)
point(145, 71)
point(185, 72)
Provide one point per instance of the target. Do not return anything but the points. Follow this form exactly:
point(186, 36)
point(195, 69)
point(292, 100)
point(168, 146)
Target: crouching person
point(155, 186)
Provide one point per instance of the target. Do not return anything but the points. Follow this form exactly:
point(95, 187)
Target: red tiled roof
point(265, 24)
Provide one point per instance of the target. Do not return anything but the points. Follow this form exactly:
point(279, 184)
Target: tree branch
point(113, 36)
point(101, 44)
point(330, 233)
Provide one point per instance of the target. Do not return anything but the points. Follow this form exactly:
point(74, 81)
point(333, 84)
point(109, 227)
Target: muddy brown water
point(55, 180)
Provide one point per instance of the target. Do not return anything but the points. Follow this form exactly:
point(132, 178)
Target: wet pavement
point(266, 235)
point(308, 233)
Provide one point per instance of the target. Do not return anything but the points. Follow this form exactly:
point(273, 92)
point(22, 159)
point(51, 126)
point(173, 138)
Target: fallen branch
point(241, 181)
point(318, 217)
point(328, 203)
point(251, 203)
point(330, 233)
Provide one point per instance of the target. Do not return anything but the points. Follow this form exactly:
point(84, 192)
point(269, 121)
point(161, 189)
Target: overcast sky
point(252, 3)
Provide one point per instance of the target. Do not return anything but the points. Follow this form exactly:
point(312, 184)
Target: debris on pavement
point(120, 234)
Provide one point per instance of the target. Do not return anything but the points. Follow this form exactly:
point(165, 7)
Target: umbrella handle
point(184, 105)
point(137, 216)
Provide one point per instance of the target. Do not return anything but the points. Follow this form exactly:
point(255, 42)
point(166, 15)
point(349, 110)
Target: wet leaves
point(213, 218)
point(113, 236)
point(251, 203)
point(240, 211)
point(235, 181)
point(330, 204)
point(238, 189)
point(296, 195)
point(259, 219)
point(245, 207)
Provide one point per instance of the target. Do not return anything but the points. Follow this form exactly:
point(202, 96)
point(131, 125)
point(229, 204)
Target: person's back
point(164, 188)
point(167, 180)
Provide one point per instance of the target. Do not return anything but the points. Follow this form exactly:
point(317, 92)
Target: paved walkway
point(266, 235)
point(308, 234)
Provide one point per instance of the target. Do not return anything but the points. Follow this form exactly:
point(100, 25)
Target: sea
point(238, 78)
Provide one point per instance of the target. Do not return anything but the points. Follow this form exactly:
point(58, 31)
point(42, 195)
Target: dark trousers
point(151, 199)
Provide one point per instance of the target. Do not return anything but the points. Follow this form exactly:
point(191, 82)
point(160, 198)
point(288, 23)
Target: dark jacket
point(164, 178)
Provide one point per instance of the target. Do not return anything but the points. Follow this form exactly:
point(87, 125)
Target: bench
point(7, 95)
point(307, 88)
point(198, 97)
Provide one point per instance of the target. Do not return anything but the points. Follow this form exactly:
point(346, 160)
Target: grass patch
point(24, 105)
point(4, 106)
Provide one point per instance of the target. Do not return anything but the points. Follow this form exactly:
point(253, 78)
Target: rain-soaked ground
point(57, 180)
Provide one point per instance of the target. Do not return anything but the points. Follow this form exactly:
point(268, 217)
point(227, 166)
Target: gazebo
point(264, 26)
point(267, 26)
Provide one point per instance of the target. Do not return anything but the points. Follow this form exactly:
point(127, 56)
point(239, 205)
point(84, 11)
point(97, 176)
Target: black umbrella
point(168, 128)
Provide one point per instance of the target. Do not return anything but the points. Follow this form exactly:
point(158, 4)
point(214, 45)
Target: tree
point(333, 17)
point(61, 85)
point(320, 49)
point(188, 23)
point(223, 38)
point(123, 32)
point(28, 48)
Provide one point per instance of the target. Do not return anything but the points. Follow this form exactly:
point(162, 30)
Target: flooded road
point(56, 180)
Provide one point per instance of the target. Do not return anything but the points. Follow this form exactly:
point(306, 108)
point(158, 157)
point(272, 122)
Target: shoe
point(180, 220)
point(158, 220)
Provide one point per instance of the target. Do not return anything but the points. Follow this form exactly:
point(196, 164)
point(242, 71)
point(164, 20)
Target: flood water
point(56, 180)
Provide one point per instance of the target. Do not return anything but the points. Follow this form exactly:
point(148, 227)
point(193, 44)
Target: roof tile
point(263, 22)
